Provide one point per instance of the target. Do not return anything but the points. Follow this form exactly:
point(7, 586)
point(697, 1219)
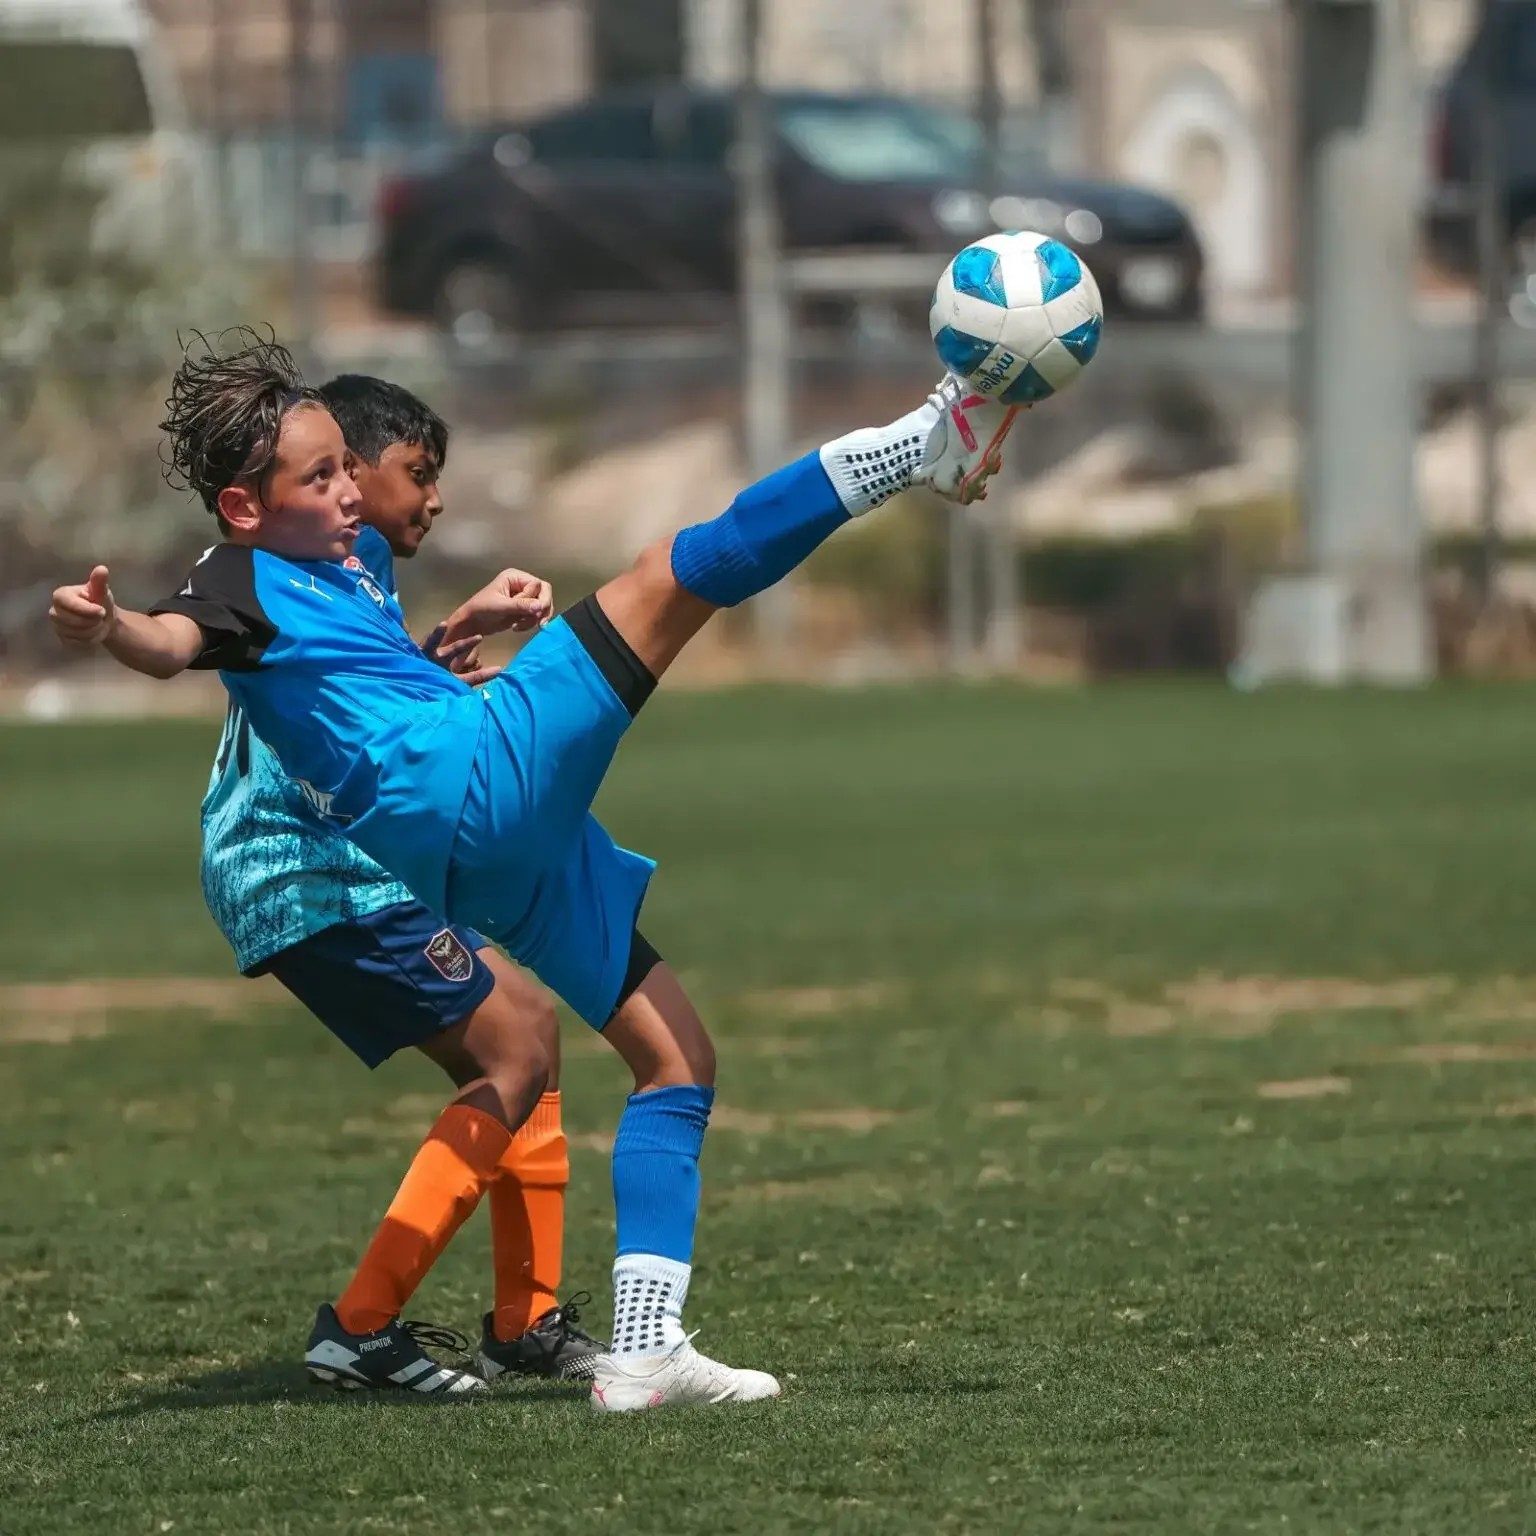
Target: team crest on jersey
point(352, 563)
point(449, 956)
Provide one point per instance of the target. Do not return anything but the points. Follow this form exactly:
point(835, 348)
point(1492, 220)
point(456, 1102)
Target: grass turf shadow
point(272, 1381)
point(878, 1380)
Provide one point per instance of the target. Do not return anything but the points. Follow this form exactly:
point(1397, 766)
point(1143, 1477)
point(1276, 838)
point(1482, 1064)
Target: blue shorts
point(392, 979)
point(531, 865)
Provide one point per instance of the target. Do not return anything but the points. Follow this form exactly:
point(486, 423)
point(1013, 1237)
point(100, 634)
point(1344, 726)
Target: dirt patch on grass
point(766, 1046)
point(1442, 1052)
point(1263, 999)
point(1237, 1006)
point(407, 1118)
point(1304, 1088)
point(1502, 1000)
point(56, 1013)
point(824, 1002)
point(855, 1119)
point(833, 1189)
point(1125, 1016)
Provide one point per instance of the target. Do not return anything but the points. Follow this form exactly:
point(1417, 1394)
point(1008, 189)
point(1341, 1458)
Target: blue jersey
point(315, 655)
point(273, 873)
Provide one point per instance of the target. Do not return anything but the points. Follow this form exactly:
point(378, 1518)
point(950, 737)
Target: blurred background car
point(562, 172)
point(626, 204)
point(1507, 36)
point(88, 92)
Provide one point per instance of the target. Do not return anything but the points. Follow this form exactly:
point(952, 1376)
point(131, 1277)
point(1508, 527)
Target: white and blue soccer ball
point(1017, 316)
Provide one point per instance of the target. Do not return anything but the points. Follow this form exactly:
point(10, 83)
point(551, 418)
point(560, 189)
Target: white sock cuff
point(871, 465)
point(648, 1296)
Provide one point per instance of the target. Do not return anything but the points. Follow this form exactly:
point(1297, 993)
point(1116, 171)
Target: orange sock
point(442, 1186)
point(528, 1220)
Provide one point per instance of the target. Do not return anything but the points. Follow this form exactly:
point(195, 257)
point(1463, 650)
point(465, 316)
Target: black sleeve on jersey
point(220, 597)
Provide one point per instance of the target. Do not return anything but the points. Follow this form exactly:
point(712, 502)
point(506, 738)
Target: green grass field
point(1126, 1123)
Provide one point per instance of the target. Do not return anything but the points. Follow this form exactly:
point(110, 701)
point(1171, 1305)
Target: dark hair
point(373, 413)
point(225, 410)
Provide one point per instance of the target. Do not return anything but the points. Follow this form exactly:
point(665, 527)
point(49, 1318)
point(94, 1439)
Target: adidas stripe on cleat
point(392, 1359)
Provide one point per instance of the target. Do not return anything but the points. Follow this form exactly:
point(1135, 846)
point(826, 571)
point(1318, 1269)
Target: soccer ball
point(1017, 316)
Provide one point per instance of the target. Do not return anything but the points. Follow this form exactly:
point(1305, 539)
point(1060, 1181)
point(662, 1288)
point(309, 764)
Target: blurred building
point(403, 67)
point(1195, 98)
point(1190, 97)
point(412, 68)
point(913, 47)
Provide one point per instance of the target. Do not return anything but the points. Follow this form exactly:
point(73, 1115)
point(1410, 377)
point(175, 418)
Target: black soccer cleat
point(393, 1359)
point(553, 1347)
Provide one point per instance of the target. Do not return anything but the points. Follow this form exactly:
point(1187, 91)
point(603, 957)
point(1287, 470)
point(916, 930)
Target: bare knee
point(687, 1061)
point(504, 1056)
point(678, 1064)
point(661, 1037)
point(652, 610)
point(519, 1050)
point(699, 1058)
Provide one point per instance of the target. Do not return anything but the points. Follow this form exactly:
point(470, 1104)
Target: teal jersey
point(316, 656)
point(273, 873)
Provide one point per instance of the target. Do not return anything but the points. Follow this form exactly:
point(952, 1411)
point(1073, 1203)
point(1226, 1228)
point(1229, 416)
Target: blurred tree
point(88, 336)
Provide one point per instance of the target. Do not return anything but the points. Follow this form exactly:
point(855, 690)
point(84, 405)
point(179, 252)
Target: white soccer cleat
point(681, 1378)
point(965, 447)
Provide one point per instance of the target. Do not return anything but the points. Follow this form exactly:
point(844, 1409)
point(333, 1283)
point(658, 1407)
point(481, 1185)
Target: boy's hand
point(85, 615)
point(461, 657)
point(157, 645)
point(513, 601)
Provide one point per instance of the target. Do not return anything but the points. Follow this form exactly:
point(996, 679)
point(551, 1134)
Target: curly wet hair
point(226, 407)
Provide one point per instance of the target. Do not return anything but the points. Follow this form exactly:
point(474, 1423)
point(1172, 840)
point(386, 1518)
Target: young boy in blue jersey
point(297, 900)
point(479, 801)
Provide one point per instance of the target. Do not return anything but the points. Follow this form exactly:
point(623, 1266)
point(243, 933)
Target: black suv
point(1509, 34)
point(627, 204)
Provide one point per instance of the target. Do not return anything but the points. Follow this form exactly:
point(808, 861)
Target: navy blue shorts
point(390, 980)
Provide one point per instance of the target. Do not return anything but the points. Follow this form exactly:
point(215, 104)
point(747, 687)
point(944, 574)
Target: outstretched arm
point(87, 615)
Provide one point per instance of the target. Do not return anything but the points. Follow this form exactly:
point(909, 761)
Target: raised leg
point(951, 443)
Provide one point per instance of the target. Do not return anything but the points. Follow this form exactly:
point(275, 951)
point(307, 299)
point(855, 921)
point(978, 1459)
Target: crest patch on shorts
point(449, 956)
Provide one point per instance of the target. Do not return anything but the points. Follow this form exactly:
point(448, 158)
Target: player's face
point(400, 495)
point(309, 506)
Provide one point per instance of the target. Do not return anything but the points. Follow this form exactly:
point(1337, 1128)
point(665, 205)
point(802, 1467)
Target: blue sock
point(767, 531)
point(656, 1170)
